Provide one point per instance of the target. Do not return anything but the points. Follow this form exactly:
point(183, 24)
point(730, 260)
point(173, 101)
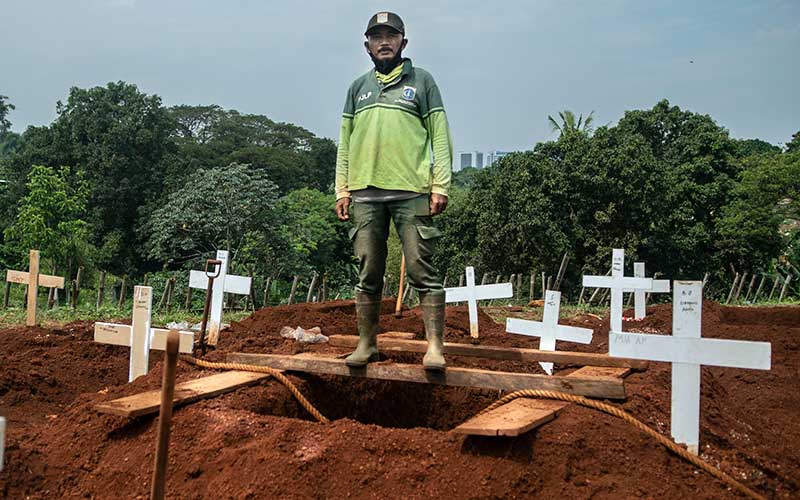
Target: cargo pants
point(414, 224)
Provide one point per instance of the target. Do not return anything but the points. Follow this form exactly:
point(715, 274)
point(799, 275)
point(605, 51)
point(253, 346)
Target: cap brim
point(366, 33)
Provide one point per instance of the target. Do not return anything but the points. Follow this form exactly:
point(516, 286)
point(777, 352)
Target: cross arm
point(712, 352)
point(482, 292)
point(561, 332)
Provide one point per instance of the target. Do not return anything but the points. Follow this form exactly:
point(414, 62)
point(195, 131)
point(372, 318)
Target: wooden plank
point(48, 281)
point(494, 352)
point(396, 335)
point(146, 403)
point(512, 419)
point(463, 377)
point(601, 371)
point(20, 277)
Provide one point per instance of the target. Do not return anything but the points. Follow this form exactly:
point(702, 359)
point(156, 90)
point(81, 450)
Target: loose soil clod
point(388, 439)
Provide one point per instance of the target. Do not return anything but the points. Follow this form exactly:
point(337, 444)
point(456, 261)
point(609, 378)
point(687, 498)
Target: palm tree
point(569, 125)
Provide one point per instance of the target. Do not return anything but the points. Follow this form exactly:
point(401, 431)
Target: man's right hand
point(343, 208)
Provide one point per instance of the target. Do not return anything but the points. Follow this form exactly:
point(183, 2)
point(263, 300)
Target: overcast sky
point(502, 67)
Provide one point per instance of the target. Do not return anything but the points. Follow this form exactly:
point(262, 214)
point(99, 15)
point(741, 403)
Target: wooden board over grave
point(463, 377)
point(146, 403)
point(495, 352)
point(512, 419)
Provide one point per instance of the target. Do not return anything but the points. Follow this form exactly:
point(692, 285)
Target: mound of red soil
point(387, 439)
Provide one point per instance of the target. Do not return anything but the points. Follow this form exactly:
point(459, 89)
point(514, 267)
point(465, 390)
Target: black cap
point(389, 19)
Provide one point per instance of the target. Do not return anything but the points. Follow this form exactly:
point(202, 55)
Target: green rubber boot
point(368, 312)
point(432, 304)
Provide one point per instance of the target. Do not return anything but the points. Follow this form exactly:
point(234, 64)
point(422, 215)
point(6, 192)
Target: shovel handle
point(158, 489)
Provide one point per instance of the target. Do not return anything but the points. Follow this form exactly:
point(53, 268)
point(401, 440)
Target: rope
point(261, 369)
point(618, 412)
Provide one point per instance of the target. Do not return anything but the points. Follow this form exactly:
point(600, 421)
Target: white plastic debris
point(311, 336)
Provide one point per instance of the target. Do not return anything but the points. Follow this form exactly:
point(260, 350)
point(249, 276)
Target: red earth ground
point(388, 439)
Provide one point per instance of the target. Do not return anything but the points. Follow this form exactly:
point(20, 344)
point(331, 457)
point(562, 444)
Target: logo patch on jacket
point(409, 93)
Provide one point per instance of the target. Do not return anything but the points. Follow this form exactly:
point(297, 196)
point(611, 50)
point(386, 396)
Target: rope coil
point(620, 413)
point(280, 377)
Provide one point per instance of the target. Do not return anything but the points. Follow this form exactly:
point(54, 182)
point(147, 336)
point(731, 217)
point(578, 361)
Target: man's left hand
point(438, 203)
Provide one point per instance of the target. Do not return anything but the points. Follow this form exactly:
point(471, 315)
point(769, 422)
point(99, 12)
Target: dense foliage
point(118, 182)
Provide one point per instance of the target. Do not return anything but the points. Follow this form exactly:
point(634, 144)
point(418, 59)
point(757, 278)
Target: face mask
point(385, 67)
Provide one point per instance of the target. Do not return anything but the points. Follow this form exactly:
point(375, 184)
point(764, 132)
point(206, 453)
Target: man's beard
point(384, 67)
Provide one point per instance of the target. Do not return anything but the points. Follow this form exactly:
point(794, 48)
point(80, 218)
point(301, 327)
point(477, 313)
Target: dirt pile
point(388, 439)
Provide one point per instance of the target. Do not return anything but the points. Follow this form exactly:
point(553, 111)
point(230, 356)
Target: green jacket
point(394, 136)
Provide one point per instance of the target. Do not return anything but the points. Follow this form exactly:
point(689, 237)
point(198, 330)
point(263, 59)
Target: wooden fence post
point(310, 294)
point(733, 288)
point(122, 291)
point(785, 286)
point(293, 290)
point(101, 287)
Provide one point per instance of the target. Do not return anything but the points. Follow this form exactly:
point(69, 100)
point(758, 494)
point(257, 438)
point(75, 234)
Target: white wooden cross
point(639, 299)
point(224, 283)
point(687, 351)
point(548, 329)
point(139, 336)
point(2, 440)
point(34, 280)
point(472, 294)
point(617, 282)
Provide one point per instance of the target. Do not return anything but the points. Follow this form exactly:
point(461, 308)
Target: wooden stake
point(580, 297)
point(544, 284)
point(294, 289)
point(387, 285)
point(460, 281)
point(33, 287)
point(760, 286)
point(561, 270)
point(733, 288)
point(399, 306)
point(774, 285)
point(739, 288)
point(705, 279)
point(188, 302)
point(531, 289)
point(101, 287)
point(170, 292)
point(785, 287)
point(164, 293)
point(549, 282)
point(310, 294)
point(485, 278)
point(324, 293)
point(750, 288)
point(158, 490)
point(266, 291)
point(444, 282)
point(123, 290)
point(5, 296)
point(76, 287)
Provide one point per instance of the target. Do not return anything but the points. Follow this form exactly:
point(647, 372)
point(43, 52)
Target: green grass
point(14, 316)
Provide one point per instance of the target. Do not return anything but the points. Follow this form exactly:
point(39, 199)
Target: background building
point(477, 159)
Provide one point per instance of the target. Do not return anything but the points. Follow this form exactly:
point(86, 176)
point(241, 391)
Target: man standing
point(394, 162)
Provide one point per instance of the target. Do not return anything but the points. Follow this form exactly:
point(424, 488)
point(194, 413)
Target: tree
point(794, 144)
point(118, 137)
point(750, 147)
point(570, 125)
point(216, 209)
point(5, 108)
point(656, 184)
point(49, 217)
